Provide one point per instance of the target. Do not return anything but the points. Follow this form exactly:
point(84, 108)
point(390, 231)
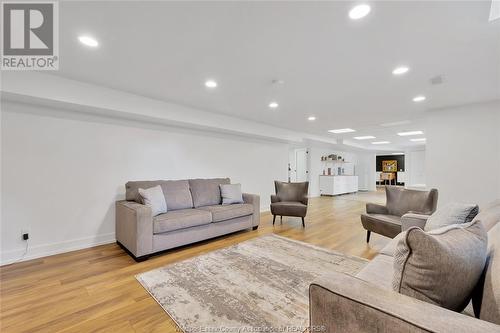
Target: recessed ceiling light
point(400, 70)
point(366, 137)
point(273, 105)
point(418, 139)
point(89, 41)
point(359, 11)
point(342, 130)
point(419, 98)
point(397, 153)
point(210, 84)
point(410, 133)
point(311, 118)
point(380, 142)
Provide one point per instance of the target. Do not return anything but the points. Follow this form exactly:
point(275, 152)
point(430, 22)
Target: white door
point(301, 165)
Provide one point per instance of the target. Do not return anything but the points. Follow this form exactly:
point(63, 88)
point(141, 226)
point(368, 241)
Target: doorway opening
point(298, 165)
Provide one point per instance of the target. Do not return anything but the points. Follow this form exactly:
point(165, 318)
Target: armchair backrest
point(291, 191)
point(400, 200)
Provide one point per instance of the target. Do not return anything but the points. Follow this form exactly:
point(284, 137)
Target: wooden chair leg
point(303, 223)
point(274, 218)
point(368, 232)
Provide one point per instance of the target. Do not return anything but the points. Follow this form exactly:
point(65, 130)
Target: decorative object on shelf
point(339, 171)
point(390, 166)
point(329, 171)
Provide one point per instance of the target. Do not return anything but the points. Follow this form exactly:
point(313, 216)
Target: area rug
point(260, 285)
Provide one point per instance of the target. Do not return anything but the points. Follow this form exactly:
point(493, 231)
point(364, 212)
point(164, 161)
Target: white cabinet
point(334, 185)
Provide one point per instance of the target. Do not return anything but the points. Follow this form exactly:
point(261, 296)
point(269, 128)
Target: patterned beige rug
point(260, 285)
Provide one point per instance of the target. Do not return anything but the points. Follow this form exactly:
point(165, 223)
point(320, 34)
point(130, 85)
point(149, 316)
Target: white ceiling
point(334, 68)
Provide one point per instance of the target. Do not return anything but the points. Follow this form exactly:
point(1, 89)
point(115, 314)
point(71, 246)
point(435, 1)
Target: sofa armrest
point(254, 200)
point(274, 198)
point(413, 220)
point(134, 227)
point(372, 208)
point(343, 303)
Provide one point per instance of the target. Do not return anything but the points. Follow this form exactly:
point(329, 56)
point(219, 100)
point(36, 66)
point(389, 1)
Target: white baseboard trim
point(46, 250)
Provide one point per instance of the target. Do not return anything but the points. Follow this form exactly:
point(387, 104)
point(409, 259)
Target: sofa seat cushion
point(387, 225)
point(206, 192)
point(379, 272)
point(180, 219)
point(227, 212)
point(289, 208)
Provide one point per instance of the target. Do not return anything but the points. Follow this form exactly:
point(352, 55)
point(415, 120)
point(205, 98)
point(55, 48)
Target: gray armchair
point(290, 200)
point(404, 208)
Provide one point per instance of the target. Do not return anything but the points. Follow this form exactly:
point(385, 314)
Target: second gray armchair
point(290, 200)
point(403, 206)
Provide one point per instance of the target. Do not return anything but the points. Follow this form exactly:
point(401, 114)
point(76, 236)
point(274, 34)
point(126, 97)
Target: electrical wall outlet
point(25, 235)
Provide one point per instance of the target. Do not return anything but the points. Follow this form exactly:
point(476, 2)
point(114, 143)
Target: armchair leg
point(274, 218)
point(303, 223)
point(368, 232)
point(281, 219)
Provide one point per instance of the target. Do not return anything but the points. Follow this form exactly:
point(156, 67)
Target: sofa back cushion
point(452, 213)
point(401, 201)
point(489, 214)
point(177, 193)
point(490, 293)
point(486, 298)
point(442, 266)
point(206, 192)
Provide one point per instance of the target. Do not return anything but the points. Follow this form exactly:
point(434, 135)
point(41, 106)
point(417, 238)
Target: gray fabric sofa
point(386, 220)
point(195, 213)
point(367, 302)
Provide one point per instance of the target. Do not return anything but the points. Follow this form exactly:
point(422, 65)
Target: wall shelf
point(337, 161)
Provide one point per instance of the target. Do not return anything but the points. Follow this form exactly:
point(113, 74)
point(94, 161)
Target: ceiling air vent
point(436, 80)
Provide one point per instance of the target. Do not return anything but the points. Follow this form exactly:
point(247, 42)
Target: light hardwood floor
point(94, 290)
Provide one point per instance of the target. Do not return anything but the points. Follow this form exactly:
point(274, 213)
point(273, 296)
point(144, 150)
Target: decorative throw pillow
point(231, 194)
point(154, 198)
point(442, 266)
point(452, 213)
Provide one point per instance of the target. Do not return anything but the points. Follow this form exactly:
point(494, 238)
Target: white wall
point(415, 168)
point(366, 171)
point(62, 175)
point(463, 153)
